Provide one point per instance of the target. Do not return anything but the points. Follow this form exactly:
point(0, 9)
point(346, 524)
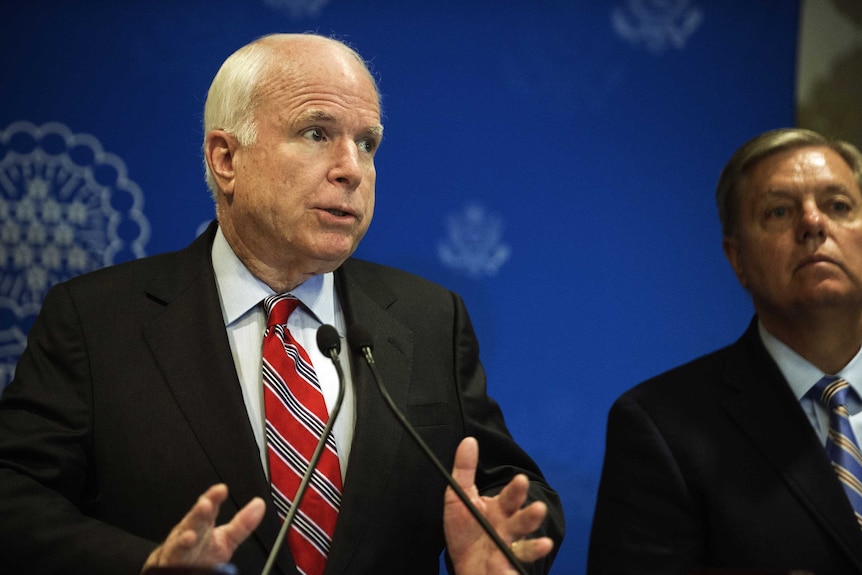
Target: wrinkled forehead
point(297, 61)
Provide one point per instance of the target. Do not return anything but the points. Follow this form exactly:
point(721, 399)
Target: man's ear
point(732, 252)
point(219, 150)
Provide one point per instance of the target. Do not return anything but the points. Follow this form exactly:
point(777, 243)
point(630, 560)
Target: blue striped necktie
point(295, 417)
point(841, 445)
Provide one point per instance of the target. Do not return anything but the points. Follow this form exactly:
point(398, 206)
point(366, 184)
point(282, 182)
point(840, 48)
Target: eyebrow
point(772, 191)
point(316, 116)
point(324, 117)
point(780, 193)
point(828, 187)
point(836, 188)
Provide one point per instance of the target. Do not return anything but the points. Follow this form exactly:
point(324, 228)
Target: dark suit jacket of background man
point(132, 408)
point(715, 463)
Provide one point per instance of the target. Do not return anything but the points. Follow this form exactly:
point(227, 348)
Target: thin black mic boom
point(330, 345)
point(361, 343)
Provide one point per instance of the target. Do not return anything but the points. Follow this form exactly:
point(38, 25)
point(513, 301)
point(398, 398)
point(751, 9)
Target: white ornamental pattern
point(657, 24)
point(474, 243)
point(298, 9)
point(66, 207)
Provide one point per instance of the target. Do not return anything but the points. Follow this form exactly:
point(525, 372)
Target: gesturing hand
point(471, 550)
point(196, 540)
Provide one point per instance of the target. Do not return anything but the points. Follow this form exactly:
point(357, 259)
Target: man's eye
point(368, 145)
point(839, 206)
point(777, 212)
point(314, 134)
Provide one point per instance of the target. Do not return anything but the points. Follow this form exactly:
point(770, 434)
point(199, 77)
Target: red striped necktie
point(295, 417)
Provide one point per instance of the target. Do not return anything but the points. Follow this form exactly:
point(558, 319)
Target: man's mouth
point(815, 259)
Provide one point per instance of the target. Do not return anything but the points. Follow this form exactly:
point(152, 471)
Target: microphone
point(329, 345)
point(361, 344)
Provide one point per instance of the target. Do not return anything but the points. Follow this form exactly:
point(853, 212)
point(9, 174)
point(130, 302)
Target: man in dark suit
point(139, 397)
point(720, 463)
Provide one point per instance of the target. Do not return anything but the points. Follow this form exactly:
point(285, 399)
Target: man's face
point(303, 194)
point(798, 243)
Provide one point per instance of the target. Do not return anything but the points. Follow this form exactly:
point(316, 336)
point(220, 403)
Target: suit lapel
point(189, 343)
point(377, 434)
point(763, 406)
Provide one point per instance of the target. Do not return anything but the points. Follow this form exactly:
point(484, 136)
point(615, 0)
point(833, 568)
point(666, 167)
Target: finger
point(529, 550)
point(243, 523)
point(466, 460)
point(528, 519)
point(203, 514)
point(514, 494)
point(217, 493)
point(194, 525)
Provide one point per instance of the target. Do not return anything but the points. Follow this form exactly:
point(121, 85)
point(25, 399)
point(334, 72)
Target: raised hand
point(471, 550)
point(196, 540)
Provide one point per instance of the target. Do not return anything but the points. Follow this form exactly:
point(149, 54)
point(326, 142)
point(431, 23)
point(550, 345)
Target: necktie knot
point(833, 391)
point(278, 308)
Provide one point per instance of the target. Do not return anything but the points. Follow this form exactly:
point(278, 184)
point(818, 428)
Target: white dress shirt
point(241, 295)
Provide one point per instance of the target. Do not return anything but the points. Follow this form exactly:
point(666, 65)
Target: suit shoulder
point(694, 377)
point(165, 272)
point(124, 272)
point(182, 263)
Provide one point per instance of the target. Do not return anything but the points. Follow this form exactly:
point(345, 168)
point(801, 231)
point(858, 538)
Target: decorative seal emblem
point(66, 207)
point(299, 8)
point(474, 243)
point(657, 24)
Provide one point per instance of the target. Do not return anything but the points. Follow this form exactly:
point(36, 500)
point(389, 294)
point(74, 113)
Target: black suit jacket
point(126, 407)
point(715, 464)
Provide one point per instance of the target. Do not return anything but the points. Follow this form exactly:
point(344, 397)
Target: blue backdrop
point(552, 161)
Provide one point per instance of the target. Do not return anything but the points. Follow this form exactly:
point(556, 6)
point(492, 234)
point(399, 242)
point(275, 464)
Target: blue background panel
point(554, 162)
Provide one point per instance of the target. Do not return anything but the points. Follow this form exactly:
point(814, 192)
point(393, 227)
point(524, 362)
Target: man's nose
point(347, 164)
point(811, 224)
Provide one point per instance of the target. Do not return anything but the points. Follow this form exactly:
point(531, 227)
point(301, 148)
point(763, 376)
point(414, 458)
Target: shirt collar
point(240, 291)
point(800, 374)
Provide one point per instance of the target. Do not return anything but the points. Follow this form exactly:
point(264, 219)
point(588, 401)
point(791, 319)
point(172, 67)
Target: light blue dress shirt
point(801, 375)
point(241, 295)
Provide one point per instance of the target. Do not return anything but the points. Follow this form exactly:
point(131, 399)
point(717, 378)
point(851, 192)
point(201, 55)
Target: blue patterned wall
point(552, 161)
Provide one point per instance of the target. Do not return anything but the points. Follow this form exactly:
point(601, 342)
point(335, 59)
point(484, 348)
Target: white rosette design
point(66, 207)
